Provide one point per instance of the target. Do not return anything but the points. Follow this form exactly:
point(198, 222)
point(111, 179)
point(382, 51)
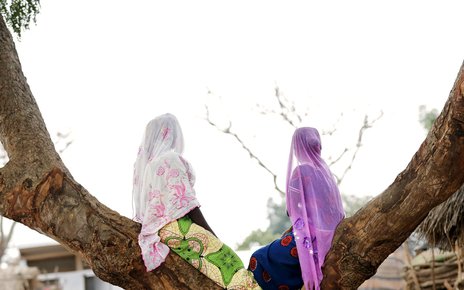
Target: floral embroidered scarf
point(163, 185)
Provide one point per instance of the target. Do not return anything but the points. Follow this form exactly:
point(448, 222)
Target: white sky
point(103, 69)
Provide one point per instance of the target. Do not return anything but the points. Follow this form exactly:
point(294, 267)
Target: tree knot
point(51, 184)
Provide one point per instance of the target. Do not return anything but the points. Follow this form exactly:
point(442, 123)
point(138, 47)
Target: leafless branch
point(332, 162)
point(331, 131)
point(63, 140)
point(286, 109)
point(246, 148)
point(366, 125)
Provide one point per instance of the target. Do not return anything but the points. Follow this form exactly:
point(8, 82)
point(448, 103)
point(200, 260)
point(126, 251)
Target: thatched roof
point(444, 225)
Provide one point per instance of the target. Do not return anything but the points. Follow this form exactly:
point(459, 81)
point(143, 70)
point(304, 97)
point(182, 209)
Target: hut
point(444, 225)
point(441, 266)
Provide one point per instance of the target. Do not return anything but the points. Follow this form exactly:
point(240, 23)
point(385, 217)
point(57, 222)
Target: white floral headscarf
point(163, 185)
point(162, 134)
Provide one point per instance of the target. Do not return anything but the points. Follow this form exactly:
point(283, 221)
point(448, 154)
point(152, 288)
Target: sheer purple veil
point(313, 203)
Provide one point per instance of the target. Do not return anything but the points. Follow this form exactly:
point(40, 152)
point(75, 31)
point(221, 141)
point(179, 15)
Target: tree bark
point(37, 190)
point(363, 241)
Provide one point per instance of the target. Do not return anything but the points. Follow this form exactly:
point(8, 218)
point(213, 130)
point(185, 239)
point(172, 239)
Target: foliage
point(257, 238)
point(279, 221)
point(19, 13)
point(352, 203)
point(427, 117)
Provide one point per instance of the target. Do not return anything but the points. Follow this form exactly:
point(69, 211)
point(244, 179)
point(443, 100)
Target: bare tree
point(286, 110)
point(276, 211)
point(434, 174)
point(246, 148)
point(38, 190)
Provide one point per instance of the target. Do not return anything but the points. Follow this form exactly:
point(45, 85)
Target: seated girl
point(315, 208)
point(167, 207)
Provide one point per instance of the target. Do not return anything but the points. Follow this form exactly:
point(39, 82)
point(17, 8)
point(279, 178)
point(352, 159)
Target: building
point(60, 269)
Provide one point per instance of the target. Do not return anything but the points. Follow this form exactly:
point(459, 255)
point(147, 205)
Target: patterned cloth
point(276, 266)
point(169, 186)
point(162, 185)
point(208, 254)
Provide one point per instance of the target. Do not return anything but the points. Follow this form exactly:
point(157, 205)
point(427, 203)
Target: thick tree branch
point(363, 241)
point(366, 125)
point(6, 238)
point(37, 190)
point(62, 209)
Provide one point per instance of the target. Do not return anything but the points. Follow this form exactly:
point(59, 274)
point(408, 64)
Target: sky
point(102, 69)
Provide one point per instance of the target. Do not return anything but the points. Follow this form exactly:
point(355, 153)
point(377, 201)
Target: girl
point(167, 207)
point(315, 208)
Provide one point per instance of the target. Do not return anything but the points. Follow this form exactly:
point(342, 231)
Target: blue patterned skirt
point(276, 266)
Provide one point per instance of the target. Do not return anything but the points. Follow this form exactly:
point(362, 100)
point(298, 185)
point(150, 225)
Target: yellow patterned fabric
point(208, 254)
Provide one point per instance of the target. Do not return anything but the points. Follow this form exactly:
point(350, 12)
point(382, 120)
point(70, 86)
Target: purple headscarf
point(313, 203)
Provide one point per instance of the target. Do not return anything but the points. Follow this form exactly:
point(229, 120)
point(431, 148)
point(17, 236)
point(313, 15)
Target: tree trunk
point(37, 190)
point(363, 241)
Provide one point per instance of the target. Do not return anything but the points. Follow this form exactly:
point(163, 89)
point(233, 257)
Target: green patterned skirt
point(208, 254)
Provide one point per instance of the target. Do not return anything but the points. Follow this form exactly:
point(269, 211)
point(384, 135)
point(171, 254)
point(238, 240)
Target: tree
point(364, 240)
point(427, 117)
point(19, 13)
point(276, 211)
point(38, 190)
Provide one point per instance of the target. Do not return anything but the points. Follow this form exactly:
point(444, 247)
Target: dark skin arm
point(289, 230)
point(197, 217)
